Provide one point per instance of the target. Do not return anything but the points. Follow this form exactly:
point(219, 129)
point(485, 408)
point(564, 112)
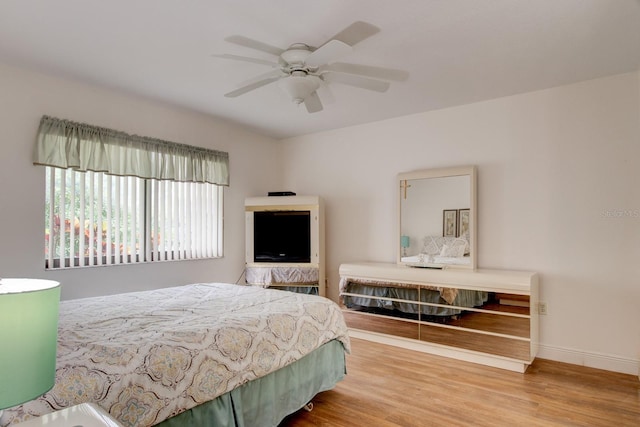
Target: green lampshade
point(404, 241)
point(28, 339)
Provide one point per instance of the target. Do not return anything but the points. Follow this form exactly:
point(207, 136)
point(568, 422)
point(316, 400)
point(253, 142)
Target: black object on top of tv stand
point(281, 193)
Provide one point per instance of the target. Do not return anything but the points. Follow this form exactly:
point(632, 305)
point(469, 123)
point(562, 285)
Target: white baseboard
point(592, 360)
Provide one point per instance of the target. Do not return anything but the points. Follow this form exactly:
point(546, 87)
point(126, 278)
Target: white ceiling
point(456, 51)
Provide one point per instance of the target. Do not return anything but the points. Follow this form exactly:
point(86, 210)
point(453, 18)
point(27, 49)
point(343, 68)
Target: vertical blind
point(100, 218)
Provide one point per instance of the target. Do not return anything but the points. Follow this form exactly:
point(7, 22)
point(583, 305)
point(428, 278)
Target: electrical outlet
point(542, 308)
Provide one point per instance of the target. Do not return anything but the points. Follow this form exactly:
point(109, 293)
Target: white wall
point(558, 194)
point(26, 96)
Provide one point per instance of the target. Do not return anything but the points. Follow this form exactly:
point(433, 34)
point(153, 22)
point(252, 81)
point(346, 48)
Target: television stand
point(306, 277)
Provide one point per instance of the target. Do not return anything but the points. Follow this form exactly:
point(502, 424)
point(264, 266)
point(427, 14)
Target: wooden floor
point(389, 386)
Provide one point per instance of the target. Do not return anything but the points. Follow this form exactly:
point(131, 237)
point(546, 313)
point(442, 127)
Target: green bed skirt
point(268, 400)
point(308, 290)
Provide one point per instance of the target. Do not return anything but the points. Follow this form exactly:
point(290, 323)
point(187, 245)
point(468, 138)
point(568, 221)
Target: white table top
point(83, 415)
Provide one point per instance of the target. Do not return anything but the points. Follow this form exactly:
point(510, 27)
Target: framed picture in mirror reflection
point(463, 222)
point(449, 222)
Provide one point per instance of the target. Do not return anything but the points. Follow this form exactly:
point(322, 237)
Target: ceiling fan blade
point(326, 94)
point(327, 53)
point(368, 71)
point(357, 81)
point(254, 44)
point(312, 102)
point(250, 87)
point(246, 59)
point(356, 32)
point(268, 74)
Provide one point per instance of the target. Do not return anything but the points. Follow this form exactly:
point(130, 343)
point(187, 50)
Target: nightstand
point(83, 415)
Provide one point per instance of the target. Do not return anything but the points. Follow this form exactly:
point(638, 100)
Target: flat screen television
point(282, 236)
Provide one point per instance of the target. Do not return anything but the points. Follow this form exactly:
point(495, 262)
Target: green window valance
point(66, 144)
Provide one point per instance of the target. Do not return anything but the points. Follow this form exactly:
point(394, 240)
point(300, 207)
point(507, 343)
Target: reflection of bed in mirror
point(439, 250)
point(397, 299)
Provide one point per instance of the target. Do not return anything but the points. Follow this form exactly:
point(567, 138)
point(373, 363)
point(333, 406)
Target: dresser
point(482, 316)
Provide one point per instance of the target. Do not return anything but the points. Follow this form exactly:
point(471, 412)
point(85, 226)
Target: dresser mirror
point(437, 227)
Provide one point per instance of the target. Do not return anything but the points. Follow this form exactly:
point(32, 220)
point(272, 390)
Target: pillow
point(465, 236)
point(455, 250)
point(431, 246)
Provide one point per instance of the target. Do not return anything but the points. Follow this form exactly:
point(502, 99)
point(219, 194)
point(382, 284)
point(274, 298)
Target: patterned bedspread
point(147, 356)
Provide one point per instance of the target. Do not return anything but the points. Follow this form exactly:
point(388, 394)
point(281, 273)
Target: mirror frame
point(445, 173)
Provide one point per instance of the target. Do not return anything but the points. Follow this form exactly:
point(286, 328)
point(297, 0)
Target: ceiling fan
point(301, 69)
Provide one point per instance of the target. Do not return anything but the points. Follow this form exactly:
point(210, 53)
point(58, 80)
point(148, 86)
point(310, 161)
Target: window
point(97, 219)
point(171, 210)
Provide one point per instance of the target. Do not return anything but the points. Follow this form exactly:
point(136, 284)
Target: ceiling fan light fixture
point(299, 86)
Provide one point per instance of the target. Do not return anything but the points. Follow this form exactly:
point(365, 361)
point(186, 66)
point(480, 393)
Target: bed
point(201, 354)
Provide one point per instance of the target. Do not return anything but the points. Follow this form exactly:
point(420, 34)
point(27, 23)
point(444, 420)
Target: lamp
point(28, 336)
point(404, 243)
point(299, 85)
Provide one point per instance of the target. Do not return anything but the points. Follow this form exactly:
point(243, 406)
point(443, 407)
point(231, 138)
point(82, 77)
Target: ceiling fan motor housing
point(297, 54)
